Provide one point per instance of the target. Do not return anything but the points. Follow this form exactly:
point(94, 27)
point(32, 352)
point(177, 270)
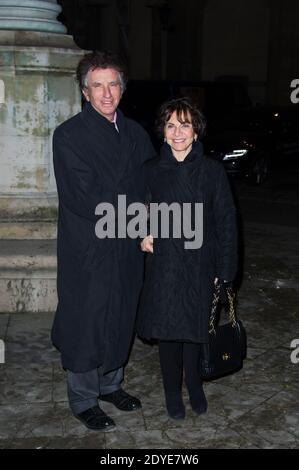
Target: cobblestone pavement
point(258, 407)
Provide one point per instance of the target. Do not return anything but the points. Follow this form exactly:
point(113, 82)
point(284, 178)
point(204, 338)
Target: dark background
point(236, 59)
point(255, 42)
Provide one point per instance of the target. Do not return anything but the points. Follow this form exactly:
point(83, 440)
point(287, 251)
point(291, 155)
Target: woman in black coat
point(176, 299)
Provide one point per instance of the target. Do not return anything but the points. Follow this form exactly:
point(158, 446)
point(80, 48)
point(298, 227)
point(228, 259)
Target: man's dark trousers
point(84, 388)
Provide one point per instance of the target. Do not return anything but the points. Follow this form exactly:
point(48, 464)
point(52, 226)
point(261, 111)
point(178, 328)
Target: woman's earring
point(195, 139)
point(164, 139)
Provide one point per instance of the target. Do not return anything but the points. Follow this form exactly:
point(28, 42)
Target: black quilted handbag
point(226, 349)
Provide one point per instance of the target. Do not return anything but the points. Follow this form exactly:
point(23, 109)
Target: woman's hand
point(147, 244)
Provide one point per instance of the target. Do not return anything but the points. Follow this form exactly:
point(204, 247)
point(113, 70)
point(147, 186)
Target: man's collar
point(114, 118)
point(114, 121)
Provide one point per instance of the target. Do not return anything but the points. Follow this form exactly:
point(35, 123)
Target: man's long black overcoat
point(99, 280)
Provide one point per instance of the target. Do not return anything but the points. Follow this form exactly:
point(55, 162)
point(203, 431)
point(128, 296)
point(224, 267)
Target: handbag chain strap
point(231, 313)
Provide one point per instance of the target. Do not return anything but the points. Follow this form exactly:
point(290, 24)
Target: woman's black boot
point(193, 380)
point(198, 399)
point(172, 368)
point(175, 406)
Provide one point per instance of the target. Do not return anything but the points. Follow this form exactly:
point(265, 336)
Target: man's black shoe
point(122, 400)
point(95, 418)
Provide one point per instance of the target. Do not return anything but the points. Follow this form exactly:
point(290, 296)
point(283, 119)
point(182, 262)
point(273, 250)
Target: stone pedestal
point(38, 91)
point(27, 276)
point(30, 15)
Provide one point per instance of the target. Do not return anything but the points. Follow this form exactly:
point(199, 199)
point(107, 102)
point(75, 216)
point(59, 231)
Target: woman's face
point(179, 135)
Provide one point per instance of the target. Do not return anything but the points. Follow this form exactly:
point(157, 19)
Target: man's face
point(103, 91)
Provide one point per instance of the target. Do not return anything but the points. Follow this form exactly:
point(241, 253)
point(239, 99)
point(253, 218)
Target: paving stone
point(25, 392)
point(60, 391)
point(21, 323)
point(34, 373)
point(252, 353)
point(276, 425)
point(139, 440)
point(256, 407)
point(156, 417)
point(124, 420)
point(207, 437)
point(4, 319)
point(37, 349)
point(92, 441)
point(28, 339)
point(38, 420)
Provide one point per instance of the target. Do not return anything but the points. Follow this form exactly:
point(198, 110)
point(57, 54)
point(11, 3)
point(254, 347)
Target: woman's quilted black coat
point(176, 298)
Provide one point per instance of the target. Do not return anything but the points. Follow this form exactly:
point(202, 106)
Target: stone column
point(30, 15)
point(38, 91)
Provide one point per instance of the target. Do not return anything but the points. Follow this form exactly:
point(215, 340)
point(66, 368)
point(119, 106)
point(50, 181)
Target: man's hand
point(147, 244)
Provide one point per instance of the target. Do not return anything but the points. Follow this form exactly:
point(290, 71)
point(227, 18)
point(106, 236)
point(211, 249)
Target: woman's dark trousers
point(174, 358)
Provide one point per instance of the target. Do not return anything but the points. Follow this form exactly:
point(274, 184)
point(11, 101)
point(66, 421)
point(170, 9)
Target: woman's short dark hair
point(100, 60)
point(183, 108)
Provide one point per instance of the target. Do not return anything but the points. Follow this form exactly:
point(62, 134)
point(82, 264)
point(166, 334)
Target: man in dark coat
point(98, 155)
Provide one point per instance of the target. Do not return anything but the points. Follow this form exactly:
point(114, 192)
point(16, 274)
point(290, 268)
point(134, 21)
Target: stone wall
point(38, 91)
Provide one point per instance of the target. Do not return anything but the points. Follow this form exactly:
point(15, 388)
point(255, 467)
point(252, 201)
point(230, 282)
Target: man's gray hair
point(100, 60)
